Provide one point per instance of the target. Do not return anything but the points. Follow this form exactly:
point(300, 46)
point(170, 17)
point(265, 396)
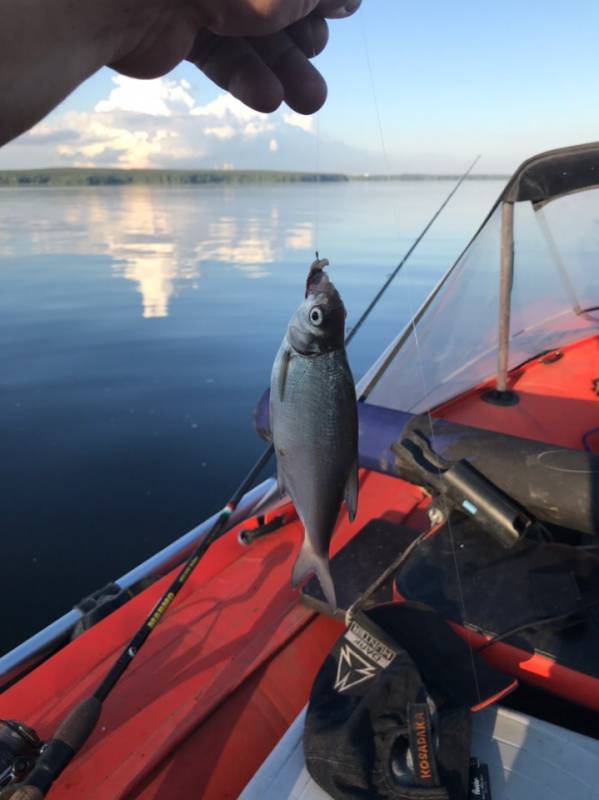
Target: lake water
point(138, 327)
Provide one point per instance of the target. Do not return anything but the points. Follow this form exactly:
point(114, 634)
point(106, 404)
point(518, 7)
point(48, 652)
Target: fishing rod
point(77, 727)
point(415, 244)
point(80, 723)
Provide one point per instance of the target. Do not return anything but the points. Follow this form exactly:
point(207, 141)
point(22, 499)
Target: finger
point(310, 35)
point(234, 65)
point(257, 17)
point(338, 9)
point(304, 87)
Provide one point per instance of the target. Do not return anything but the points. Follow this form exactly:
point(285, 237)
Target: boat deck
point(232, 663)
point(237, 633)
point(550, 391)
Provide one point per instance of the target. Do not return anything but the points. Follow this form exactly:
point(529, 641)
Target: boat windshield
point(555, 300)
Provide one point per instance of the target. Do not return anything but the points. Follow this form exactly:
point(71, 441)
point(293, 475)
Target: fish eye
point(316, 316)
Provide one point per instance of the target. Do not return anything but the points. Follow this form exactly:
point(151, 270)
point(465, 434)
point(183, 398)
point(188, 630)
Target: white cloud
point(224, 106)
point(108, 140)
point(257, 126)
point(159, 97)
point(160, 123)
point(235, 119)
point(220, 131)
point(299, 121)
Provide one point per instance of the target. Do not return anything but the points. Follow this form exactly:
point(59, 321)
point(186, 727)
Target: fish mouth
point(318, 281)
point(319, 285)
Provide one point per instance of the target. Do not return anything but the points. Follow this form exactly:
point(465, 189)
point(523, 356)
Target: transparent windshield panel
point(554, 295)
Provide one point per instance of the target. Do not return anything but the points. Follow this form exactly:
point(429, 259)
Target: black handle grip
point(21, 793)
point(76, 729)
point(68, 740)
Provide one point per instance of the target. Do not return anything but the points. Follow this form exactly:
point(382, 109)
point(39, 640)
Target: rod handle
point(70, 737)
point(21, 792)
point(76, 729)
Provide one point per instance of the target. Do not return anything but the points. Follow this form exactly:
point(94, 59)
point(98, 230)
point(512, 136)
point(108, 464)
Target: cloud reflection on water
point(153, 267)
point(159, 238)
point(246, 246)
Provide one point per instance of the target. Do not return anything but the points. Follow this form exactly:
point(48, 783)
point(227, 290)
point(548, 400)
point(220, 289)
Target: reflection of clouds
point(156, 237)
point(301, 237)
point(153, 267)
point(246, 246)
point(252, 244)
point(145, 250)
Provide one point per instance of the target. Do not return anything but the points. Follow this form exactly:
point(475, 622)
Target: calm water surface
point(138, 327)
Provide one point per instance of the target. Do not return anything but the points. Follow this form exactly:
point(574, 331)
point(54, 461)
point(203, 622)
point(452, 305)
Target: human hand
point(258, 50)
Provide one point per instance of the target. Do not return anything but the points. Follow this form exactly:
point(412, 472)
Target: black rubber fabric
point(447, 664)
point(374, 730)
point(500, 591)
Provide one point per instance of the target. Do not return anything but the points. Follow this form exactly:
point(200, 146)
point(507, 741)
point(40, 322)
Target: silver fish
point(314, 423)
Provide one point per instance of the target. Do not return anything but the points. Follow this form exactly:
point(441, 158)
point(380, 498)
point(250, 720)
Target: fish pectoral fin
point(310, 563)
point(351, 491)
point(283, 368)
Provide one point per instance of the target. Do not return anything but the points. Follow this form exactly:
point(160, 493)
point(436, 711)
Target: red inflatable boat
point(478, 427)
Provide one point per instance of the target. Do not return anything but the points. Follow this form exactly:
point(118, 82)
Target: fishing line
point(316, 117)
point(317, 192)
point(80, 723)
point(446, 510)
point(408, 253)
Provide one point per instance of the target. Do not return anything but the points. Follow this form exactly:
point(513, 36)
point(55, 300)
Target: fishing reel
point(20, 747)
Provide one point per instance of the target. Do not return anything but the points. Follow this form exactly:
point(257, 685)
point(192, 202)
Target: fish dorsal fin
point(283, 368)
point(351, 491)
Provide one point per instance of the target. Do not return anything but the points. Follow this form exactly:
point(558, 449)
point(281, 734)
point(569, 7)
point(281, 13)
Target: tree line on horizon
point(76, 176)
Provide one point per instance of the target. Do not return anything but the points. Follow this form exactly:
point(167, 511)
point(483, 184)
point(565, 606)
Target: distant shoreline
point(76, 176)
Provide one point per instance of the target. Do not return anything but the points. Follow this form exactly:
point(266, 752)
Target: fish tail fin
point(309, 563)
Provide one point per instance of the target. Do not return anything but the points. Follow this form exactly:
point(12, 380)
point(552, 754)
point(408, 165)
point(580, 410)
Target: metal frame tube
point(506, 281)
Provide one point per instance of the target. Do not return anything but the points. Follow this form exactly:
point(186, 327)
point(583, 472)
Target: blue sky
point(450, 80)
